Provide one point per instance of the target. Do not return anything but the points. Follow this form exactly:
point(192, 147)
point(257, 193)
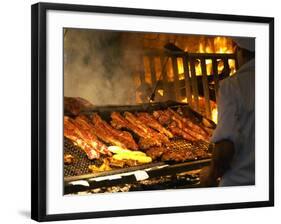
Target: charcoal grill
point(77, 176)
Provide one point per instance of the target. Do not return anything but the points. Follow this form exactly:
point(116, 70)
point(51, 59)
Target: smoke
point(98, 67)
point(102, 66)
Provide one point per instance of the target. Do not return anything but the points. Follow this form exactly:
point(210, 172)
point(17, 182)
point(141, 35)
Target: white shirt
point(236, 122)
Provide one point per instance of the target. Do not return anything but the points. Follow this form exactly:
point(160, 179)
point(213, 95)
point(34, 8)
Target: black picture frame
point(39, 123)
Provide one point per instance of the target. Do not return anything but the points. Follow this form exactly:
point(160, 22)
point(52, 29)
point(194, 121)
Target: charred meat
point(74, 134)
point(178, 155)
point(120, 138)
point(181, 133)
point(150, 133)
point(156, 152)
point(85, 127)
point(149, 120)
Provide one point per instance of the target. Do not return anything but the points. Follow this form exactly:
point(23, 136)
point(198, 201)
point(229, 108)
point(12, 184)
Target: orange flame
point(221, 45)
point(215, 115)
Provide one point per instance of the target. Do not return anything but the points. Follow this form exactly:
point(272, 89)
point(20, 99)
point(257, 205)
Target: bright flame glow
point(161, 92)
point(184, 100)
point(180, 65)
point(221, 45)
point(215, 115)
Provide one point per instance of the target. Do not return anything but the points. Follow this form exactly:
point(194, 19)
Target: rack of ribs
point(178, 155)
point(180, 132)
point(104, 135)
point(156, 152)
point(149, 132)
point(163, 118)
point(146, 138)
point(188, 127)
point(85, 126)
point(150, 121)
point(112, 135)
point(74, 134)
point(189, 123)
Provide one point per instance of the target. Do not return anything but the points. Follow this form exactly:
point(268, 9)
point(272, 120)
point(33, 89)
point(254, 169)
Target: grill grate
point(179, 143)
point(81, 162)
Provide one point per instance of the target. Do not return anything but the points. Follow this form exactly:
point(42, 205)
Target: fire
point(220, 45)
point(214, 110)
point(215, 115)
point(184, 100)
point(161, 92)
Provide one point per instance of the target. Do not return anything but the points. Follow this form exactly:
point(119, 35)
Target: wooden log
point(194, 84)
point(236, 60)
point(226, 66)
point(152, 70)
point(216, 76)
point(141, 72)
point(187, 80)
point(206, 88)
point(164, 62)
point(176, 78)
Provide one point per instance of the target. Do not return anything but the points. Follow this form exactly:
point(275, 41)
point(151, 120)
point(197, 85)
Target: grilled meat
point(188, 123)
point(150, 121)
point(130, 162)
point(148, 142)
point(172, 120)
point(86, 128)
point(201, 153)
point(116, 163)
point(104, 167)
point(180, 122)
point(73, 133)
point(147, 139)
point(123, 138)
point(156, 152)
point(178, 155)
point(105, 136)
point(74, 105)
point(118, 121)
point(181, 133)
point(163, 118)
point(201, 149)
point(150, 133)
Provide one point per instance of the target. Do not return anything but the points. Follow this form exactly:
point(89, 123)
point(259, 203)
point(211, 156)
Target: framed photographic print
point(139, 111)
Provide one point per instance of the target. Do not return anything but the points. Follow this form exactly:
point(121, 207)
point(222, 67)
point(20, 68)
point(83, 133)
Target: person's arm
point(223, 136)
point(221, 158)
point(222, 155)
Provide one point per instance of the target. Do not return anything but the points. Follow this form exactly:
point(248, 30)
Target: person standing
point(233, 160)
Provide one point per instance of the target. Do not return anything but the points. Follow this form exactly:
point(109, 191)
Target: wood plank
point(194, 84)
point(226, 66)
point(152, 70)
point(176, 78)
point(187, 80)
point(216, 76)
point(164, 62)
point(236, 61)
point(206, 88)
